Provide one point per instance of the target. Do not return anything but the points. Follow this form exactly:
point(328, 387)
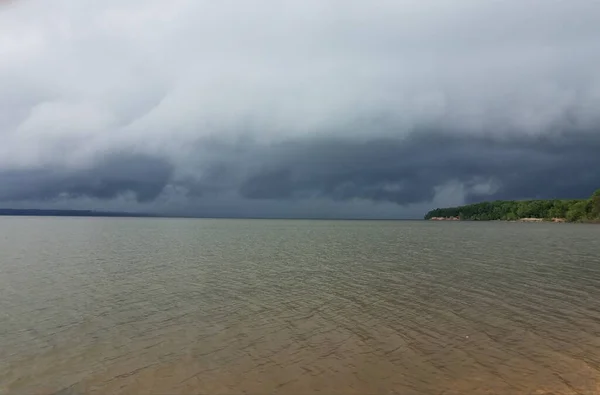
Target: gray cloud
point(109, 178)
point(334, 107)
point(412, 169)
point(408, 173)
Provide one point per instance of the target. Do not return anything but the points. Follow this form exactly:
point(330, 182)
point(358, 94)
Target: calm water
point(140, 306)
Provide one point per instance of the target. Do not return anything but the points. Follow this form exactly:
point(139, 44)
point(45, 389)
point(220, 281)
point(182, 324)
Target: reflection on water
point(126, 306)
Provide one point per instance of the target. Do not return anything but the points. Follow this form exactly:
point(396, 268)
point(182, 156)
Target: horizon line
point(89, 213)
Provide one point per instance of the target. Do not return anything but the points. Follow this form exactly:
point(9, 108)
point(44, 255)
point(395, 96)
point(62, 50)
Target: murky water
point(157, 306)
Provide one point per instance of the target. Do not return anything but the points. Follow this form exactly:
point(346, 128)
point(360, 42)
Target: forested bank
point(582, 210)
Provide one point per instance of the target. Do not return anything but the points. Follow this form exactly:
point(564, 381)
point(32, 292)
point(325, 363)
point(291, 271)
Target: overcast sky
point(318, 108)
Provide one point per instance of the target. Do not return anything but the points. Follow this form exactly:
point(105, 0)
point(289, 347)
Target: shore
point(554, 220)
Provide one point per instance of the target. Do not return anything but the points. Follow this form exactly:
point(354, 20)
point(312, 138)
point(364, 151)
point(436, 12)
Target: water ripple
point(154, 306)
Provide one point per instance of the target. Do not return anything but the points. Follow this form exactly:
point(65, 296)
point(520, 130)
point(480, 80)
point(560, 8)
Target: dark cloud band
point(401, 171)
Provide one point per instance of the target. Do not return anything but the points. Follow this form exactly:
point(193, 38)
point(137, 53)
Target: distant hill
point(68, 213)
point(583, 210)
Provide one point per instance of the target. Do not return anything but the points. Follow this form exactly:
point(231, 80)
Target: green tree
point(595, 205)
point(577, 212)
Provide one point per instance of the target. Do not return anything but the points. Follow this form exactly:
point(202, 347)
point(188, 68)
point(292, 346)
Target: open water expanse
point(174, 306)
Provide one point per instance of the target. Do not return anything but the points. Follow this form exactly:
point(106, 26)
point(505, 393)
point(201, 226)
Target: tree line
point(572, 210)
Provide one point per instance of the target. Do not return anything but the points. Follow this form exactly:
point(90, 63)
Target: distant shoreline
point(71, 213)
point(108, 214)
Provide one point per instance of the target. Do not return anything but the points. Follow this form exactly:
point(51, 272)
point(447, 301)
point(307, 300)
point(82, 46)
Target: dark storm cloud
point(111, 177)
point(403, 171)
point(410, 170)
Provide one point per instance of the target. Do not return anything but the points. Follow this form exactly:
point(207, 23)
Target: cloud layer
point(318, 108)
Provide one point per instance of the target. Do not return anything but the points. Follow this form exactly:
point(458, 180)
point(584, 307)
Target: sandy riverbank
point(555, 220)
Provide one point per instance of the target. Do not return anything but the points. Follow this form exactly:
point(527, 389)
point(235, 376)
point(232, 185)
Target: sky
point(313, 108)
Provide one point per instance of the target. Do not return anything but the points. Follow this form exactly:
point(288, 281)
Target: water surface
point(156, 306)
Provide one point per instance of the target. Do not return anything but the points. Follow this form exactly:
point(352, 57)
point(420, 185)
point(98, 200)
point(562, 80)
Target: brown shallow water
point(159, 306)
